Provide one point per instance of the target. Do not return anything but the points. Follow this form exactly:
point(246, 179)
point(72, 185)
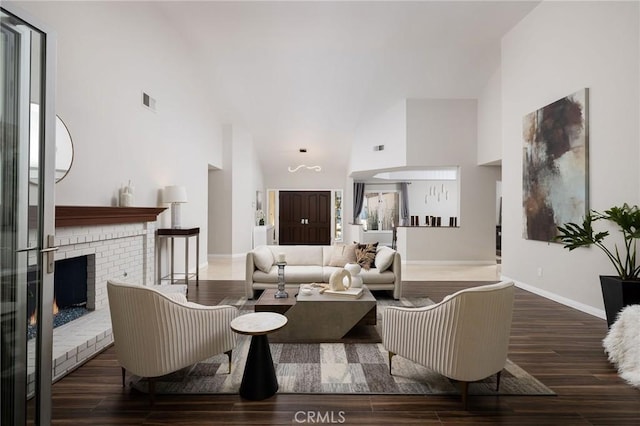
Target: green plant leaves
point(626, 218)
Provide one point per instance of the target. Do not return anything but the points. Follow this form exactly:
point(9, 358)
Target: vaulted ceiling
point(307, 74)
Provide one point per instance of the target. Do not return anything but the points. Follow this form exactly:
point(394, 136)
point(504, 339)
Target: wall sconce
point(433, 192)
point(175, 195)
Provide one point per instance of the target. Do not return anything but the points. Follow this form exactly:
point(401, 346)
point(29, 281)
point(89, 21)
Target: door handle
point(49, 251)
point(27, 249)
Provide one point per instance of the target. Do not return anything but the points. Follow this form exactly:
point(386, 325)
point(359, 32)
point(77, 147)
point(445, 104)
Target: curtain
point(358, 200)
point(404, 207)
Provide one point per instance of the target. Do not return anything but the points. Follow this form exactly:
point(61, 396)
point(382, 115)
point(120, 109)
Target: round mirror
point(64, 147)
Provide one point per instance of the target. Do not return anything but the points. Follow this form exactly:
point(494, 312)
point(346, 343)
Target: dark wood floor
point(558, 345)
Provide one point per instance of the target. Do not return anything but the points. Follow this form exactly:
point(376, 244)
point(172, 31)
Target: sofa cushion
point(327, 271)
point(299, 255)
point(384, 258)
point(266, 277)
point(303, 274)
point(343, 254)
point(373, 276)
point(366, 255)
point(263, 258)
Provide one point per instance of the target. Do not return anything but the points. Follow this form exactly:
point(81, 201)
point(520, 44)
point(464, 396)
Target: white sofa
point(309, 264)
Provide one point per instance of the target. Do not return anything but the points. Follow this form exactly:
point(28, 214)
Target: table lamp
point(175, 195)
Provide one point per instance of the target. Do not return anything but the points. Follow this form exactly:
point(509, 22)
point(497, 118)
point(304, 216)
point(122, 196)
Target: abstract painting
point(555, 166)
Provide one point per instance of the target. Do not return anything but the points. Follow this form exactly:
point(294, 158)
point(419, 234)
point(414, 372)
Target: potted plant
point(623, 289)
point(260, 217)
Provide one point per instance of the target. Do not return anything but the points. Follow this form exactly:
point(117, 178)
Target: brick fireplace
point(123, 251)
point(119, 242)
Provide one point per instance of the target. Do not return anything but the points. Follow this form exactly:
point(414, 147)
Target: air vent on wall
point(378, 147)
point(148, 101)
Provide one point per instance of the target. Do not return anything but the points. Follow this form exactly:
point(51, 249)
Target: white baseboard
point(599, 313)
point(448, 262)
point(226, 256)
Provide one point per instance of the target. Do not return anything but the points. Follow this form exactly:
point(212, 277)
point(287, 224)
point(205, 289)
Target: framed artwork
point(555, 166)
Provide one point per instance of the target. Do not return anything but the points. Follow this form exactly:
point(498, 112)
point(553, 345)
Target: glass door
point(26, 218)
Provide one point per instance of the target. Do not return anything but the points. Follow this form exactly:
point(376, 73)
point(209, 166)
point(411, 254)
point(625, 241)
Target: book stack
point(350, 292)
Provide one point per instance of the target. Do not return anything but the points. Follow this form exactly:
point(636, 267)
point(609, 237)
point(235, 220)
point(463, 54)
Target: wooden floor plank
point(560, 346)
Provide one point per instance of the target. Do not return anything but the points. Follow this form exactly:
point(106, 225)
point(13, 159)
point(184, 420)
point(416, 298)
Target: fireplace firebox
point(69, 294)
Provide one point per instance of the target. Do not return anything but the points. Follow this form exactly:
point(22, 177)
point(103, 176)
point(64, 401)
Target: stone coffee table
point(316, 317)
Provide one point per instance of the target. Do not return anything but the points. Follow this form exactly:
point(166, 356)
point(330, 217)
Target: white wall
point(489, 121)
point(232, 194)
point(559, 48)
point(220, 200)
point(247, 179)
point(443, 132)
point(108, 53)
point(305, 179)
point(389, 128)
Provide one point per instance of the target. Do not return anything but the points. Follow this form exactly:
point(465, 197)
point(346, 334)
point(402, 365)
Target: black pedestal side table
point(172, 234)
point(259, 379)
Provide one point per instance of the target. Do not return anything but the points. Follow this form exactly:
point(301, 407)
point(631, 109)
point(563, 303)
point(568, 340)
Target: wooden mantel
point(101, 215)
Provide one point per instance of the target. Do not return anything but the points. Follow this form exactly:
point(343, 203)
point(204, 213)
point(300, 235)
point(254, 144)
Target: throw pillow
point(343, 254)
point(263, 258)
point(384, 258)
point(366, 255)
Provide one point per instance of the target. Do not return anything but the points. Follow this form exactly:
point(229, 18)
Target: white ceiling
point(307, 74)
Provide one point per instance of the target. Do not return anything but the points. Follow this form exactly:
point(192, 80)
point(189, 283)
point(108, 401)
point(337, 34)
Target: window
point(380, 211)
point(338, 215)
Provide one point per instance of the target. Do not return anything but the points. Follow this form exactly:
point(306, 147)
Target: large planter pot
point(617, 294)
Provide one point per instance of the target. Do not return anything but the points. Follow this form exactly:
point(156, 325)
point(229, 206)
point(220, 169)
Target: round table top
point(257, 323)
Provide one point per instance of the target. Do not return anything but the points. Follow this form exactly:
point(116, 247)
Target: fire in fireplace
point(70, 293)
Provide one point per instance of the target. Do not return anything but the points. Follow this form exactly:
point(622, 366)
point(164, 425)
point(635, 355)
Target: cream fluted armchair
point(158, 333)
point(465, 337)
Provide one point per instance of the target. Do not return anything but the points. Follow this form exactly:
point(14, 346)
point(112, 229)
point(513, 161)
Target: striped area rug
point(343, 368)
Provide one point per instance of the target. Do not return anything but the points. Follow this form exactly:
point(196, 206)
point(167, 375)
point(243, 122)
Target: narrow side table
point(259, 379)
point(172, 234)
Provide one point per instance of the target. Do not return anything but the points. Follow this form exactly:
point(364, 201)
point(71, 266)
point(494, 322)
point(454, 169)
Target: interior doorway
point(304, 217)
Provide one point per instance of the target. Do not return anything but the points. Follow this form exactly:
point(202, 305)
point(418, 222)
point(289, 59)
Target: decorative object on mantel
point(623, 289)
point(126, 195)
point(175, 195)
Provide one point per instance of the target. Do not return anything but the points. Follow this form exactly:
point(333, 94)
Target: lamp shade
point(174, 194)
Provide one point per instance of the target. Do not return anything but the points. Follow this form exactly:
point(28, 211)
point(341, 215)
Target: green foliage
point(626, 218)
